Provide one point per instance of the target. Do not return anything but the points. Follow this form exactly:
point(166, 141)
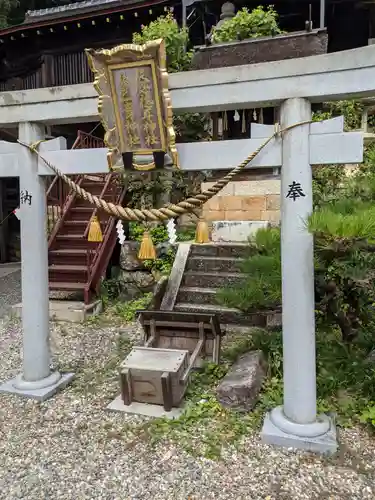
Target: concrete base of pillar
point(148, 410)
point(40, 394)
point(325, 443)
point(67, 310)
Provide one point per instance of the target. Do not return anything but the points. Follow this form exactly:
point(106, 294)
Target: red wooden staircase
point(75, 264)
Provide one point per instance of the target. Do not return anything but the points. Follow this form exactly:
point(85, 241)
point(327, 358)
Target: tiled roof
point(72, 9)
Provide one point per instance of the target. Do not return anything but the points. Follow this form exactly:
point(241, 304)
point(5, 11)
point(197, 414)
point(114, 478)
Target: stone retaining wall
point(245, 200)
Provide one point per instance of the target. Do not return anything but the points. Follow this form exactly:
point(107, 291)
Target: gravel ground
point(10, 288)
point(71, 448)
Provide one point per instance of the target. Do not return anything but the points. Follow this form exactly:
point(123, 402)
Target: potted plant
point(250, 37)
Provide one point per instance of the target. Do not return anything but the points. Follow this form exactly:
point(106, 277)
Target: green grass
point(345, 383)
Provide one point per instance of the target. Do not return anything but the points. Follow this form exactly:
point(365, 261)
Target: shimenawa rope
point(168, 211)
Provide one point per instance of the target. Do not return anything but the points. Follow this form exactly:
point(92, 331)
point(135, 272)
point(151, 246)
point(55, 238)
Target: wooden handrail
point(51, 185)
point(100, 262)
point(64, 199)
point(65, 210)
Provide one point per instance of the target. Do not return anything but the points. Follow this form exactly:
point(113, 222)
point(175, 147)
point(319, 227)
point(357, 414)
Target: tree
point(6, 7)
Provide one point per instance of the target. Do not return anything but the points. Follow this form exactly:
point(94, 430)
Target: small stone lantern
point(228, 10)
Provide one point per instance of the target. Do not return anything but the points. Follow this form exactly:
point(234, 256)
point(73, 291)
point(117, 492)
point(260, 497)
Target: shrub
point(245, 24)
point(344, 268)
point(175, 38)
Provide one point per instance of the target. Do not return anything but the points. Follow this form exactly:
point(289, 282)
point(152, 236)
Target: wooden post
point(47, 71)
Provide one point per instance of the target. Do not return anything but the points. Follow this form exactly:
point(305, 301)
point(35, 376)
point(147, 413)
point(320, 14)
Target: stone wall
point(258, 50)
point(245, 200)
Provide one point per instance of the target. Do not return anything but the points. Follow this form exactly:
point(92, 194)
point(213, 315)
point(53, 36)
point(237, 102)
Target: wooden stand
point(156, 376)
point(200, 334)
point(174, 344)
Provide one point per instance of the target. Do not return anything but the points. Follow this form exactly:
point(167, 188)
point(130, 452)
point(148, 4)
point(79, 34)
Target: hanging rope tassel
point(202, 233)
point(95, 231)
point(147, 249)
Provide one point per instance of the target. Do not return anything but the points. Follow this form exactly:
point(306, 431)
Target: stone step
point(210, 264)
point(210, 279)
point(219, 250)
point(226, 315)
point(196, 295)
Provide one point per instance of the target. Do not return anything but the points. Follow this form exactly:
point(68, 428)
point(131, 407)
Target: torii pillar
point(296, 423)
point(36, 381)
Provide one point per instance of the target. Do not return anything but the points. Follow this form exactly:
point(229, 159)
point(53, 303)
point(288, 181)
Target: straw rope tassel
point(147, 249)
point(202, 233)
point(95, 231)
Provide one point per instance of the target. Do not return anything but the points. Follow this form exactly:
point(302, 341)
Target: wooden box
point(200, 334)
point(156, 376)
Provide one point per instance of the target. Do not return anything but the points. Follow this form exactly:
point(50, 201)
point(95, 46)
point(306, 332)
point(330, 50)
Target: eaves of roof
point(47, 20)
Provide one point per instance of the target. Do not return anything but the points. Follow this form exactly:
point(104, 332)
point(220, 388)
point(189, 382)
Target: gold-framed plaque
point(135, 105)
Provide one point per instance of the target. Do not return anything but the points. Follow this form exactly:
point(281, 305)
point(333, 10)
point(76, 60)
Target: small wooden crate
point(156, 376)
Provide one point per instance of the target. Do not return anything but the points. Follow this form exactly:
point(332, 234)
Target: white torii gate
point(293, 85)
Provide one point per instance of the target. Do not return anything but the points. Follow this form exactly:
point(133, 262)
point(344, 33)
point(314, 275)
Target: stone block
point(273, 202)
point(325, 444)
point(213, 204)
point(67, 310)
point(128, 257)
point(270, 216)
point(39, 394)
point(254, 203)
point(226, 191)
point(239, 389)
point(230, 203)
point(235, 231)
point(257, 188)
point(214, 215)
point(134, 284)
point(243, 215)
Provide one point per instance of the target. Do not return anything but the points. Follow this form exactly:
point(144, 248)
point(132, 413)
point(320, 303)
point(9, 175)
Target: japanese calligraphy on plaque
point(135, 106)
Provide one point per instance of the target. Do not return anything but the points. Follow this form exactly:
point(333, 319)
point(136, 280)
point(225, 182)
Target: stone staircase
point(199, 272)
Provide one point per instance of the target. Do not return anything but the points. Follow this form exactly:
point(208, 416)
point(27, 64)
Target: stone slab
point(145, 409)
point(239, 389)
point(325, 444)
point(66, 310)
point(37, 394)
point(235, 231)
point(175, 278)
